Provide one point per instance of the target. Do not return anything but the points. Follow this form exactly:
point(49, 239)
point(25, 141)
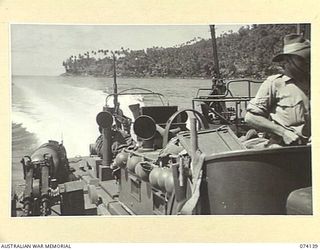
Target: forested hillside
point(246, 53)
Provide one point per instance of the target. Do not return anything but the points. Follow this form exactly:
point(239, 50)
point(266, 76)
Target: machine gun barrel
point(46, 163)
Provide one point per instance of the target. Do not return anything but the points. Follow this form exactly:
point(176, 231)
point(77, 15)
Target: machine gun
point(43, 171)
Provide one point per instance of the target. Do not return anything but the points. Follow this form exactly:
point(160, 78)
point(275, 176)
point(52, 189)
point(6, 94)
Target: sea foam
point(62, 112)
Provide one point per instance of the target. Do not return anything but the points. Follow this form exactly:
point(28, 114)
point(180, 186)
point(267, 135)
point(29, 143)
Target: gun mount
point(46, 168)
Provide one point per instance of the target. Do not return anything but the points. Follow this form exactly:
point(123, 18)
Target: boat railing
point(230, 104)
point(140, 92)
point(228, 91)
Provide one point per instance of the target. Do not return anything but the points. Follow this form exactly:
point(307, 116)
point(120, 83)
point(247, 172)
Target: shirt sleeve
point(261, 104)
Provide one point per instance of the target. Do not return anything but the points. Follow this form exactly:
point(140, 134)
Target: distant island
point(246, 53)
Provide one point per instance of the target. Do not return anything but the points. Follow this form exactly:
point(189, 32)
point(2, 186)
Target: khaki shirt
point(282, 101)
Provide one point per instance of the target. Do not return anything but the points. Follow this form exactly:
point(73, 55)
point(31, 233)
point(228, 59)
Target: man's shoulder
point(278, 80)
point(275, 77)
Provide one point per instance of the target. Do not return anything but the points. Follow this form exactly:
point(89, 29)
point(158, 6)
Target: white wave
point(62, 112)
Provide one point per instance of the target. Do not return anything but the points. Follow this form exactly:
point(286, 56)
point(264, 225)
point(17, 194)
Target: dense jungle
point(245, 53)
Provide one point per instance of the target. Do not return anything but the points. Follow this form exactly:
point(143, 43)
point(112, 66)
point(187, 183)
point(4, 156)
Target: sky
point(40, 49)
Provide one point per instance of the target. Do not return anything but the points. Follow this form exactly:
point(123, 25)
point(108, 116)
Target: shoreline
point(159, 77)
point(134, 77)
point(111, 77)
point(141, 77)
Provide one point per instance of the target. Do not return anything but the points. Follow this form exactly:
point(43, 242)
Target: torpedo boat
point(168, 161)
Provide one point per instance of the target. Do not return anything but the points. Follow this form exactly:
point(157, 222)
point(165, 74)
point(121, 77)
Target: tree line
point(246, 53)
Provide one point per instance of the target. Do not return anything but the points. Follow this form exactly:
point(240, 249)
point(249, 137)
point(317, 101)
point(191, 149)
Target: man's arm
point(264, 124)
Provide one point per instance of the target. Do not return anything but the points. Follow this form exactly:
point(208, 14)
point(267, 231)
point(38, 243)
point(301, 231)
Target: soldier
point(281, 107)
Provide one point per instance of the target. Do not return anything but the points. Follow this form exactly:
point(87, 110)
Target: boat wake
point(61, 112)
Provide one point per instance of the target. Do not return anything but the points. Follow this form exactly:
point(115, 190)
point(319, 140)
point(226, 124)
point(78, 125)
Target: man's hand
point(289, 137)
point(263, 124)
